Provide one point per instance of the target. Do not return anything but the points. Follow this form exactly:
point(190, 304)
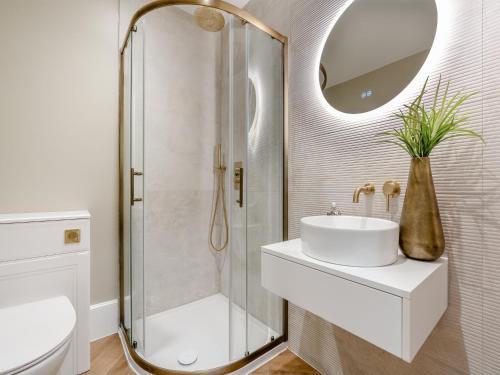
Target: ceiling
point(238, 3)
point(190, 8)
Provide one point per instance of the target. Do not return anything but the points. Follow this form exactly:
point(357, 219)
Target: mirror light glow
point(444, 11)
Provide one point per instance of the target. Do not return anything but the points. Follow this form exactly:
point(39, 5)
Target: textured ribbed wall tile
point(330, 156)
point(491, 183)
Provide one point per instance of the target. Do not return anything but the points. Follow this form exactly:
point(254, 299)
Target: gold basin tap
point(367, 189)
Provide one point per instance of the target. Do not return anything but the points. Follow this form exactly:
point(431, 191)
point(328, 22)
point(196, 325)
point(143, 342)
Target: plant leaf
point(425, 128)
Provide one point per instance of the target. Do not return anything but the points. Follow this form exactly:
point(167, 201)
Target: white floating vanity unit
point(394, 307)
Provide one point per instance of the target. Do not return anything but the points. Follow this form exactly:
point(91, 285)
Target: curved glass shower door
point(202, 144)
point(133, 191)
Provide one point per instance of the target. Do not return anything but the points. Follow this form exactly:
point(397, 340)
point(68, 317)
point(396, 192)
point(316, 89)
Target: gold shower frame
point(246, 17)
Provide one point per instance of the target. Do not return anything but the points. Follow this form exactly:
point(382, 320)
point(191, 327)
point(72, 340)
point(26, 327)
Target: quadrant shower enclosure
point(203, 186)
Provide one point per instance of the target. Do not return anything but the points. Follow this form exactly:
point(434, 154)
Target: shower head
point(209, 19)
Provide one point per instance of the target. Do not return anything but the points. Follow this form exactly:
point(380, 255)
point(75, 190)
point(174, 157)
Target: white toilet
point(44, 293)
point(36, 336)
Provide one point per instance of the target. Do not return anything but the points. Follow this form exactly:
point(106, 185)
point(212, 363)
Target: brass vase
point(421, 233)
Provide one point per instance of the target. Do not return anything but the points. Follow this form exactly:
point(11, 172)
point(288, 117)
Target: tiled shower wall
point(180, 136)
point(330, 157)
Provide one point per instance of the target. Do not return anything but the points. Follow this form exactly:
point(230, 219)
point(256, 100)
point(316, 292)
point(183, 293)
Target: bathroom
point(168, 176)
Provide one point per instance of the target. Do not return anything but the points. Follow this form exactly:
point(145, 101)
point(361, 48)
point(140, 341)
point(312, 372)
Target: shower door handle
point(133, 173)
point(238, 181)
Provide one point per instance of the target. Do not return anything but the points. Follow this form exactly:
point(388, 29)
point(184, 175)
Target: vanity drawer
point(369, 313)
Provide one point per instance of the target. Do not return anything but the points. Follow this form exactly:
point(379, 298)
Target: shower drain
point(187, 357)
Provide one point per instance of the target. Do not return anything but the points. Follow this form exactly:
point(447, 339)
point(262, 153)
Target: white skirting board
point(104, 318)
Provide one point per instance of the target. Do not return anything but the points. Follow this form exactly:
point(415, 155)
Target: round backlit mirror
point(374, 51)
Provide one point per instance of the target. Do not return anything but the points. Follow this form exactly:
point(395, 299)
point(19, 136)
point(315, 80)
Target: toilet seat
point(32, 332)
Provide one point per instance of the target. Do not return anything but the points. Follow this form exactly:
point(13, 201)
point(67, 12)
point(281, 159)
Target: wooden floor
point(286, 363)
point(107, 358)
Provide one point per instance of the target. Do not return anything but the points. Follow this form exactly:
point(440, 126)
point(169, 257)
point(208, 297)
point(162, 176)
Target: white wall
point(59, 118)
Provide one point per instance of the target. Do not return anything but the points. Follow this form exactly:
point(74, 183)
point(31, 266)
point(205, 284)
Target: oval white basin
point(350, 240)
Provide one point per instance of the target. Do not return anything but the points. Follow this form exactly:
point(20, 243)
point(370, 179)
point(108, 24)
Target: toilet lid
point(31, 332)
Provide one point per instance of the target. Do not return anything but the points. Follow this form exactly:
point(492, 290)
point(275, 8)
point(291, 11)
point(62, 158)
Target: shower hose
point(220, 199)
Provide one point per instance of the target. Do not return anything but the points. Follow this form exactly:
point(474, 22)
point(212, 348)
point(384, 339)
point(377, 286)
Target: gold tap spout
point(367, 189)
